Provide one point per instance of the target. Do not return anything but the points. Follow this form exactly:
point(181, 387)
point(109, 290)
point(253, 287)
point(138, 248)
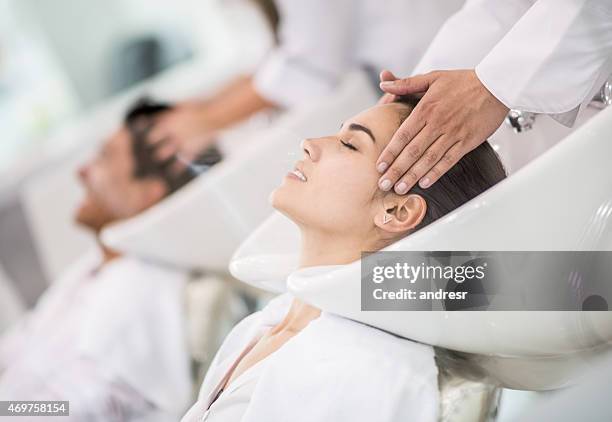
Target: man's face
point(112, 192)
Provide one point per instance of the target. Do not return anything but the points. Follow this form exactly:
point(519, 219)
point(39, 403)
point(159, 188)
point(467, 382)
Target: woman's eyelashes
point(348, 145)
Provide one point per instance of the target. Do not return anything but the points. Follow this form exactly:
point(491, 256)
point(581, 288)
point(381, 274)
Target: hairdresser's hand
point(455, 115)
point(387, 76)
point(183, 131)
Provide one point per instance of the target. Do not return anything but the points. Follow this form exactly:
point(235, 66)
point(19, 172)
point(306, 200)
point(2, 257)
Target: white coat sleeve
point(470, 34)
point(554, 59)
point(313, 53)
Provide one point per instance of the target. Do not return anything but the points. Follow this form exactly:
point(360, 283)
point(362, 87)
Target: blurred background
point(65, 60)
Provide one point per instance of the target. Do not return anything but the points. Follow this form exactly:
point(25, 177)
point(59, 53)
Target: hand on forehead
point(380, 121)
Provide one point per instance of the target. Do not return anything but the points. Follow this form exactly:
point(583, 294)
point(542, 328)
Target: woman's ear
point(400, 213)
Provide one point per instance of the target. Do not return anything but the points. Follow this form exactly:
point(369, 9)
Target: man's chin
point(86, 217)
point(83, 222)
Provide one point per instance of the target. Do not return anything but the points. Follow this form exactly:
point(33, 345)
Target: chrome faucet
point(604, 97)
point(520, 121)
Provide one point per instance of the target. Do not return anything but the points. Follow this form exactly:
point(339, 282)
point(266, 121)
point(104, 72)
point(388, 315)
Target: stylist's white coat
point(335, 369)
point(111, 341)
point(541, 56)
point(321, 40)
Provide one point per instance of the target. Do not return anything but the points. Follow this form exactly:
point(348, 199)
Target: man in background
point(109, 335)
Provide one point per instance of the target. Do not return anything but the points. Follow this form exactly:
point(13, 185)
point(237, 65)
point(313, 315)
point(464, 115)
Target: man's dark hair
point(473, 174)
point(270, 12)
point(140, 120)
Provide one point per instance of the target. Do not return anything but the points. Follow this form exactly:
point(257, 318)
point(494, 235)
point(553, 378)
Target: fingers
point(406, 132)
point(157, 135)
point(386, 75)
point(177, 167)
point(386, 99)
point(404, 173)
point(165, 150)
point(424, 165)
point(422, 152)
point(448, 160)
point(162, 129)
point(412, 85)
point(162, 139)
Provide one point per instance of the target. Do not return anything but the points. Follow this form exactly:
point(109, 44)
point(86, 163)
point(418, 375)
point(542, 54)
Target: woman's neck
point(318, 249)
point(299, 316)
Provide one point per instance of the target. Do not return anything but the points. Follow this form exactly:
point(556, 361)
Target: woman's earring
point(386, 218)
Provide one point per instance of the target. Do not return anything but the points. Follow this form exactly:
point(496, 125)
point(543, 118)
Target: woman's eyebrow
point(358, 127)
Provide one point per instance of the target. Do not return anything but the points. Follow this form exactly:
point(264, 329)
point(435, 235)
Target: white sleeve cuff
point(555, 69)
point(566, 118)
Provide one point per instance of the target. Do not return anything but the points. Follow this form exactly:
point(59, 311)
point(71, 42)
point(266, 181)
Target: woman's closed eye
point(348, 145)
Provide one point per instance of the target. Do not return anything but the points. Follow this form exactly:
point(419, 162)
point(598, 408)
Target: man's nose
point(83, 172)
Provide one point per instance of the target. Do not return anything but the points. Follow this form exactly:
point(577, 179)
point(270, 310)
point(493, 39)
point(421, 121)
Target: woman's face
point(334, 187)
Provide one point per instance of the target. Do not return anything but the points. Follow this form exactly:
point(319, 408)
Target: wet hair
point(477, 171)
point(140, 120)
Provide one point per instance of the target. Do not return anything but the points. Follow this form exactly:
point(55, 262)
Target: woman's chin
point(283, 202)
point(273, 199)
point(279, 199)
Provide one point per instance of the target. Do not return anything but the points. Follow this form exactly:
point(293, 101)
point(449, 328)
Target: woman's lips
point(297, 174)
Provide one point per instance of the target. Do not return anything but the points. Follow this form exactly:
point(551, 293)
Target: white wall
point(45, 179)
point(83, 32)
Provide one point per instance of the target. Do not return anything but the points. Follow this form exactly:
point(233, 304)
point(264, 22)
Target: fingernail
point(401, 188)
point(386, 84)
point(424, 183)
point(385, 184)
point(382, 167)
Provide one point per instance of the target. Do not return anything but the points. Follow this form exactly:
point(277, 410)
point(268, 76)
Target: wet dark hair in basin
point(473, 174)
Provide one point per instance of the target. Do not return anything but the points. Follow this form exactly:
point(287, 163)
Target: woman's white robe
point(335, 369)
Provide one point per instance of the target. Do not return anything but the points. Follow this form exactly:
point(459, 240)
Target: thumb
point(387, 75)
point(413, 85)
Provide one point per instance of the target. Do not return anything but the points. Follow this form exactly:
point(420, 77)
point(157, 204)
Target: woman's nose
point(311, 149)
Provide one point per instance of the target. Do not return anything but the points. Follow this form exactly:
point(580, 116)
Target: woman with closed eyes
point(292, 362)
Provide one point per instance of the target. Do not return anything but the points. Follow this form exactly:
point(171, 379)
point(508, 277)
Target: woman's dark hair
point(140, 120)
point(473, 174)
